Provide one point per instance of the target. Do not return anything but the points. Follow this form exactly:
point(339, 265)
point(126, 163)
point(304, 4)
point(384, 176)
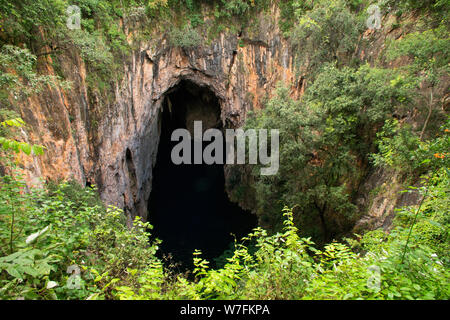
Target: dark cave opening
point(188, 206)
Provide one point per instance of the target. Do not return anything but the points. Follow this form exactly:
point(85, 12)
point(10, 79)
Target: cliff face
point(113, 144)
point(118, 152)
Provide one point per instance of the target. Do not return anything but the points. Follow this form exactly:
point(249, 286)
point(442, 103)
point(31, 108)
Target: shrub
point(44, 232)
point(325, 32)
point(184, 38)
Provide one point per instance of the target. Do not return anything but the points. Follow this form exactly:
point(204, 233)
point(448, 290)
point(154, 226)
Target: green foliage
point(326, 32)
point(184, 38)
point(418, 270)
point(358, 101)
point(432, 223)
point(428, 51)
point(282, 264)
point(285, 266)
point(20, 18)
point(286, 16)
point(70, 226)
point(237, 7)
point(17, 76)
point(44, 232)
point(401, 149)
point(92, 48)
point(17, 146)
point(325, 139)
point(321, 138)
point(438, 8)
point(397, 147)
point(100, 41)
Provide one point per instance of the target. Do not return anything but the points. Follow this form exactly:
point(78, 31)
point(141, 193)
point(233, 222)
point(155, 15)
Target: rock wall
point(118, 152)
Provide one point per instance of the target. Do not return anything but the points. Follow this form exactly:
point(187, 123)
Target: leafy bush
point(326, 32)
point(321, 138)
point(44, 232)
point(18, 78)
point(285, 266)
point(401, 149)
point(184, 38)
point(428, 53)
point(17, 146)
point(61, 242)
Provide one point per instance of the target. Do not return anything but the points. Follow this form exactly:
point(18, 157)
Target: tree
point(429, 53)
point(325, 140)
point(326, 32)
point(17, 146)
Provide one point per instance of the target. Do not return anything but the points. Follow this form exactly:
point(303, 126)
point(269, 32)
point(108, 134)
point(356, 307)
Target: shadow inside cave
point(188, 206)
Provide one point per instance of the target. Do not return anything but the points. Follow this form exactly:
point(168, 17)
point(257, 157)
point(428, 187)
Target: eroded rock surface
point(118, 151)
point(113, 144)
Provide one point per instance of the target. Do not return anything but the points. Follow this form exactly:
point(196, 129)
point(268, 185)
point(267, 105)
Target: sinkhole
point(188, 206)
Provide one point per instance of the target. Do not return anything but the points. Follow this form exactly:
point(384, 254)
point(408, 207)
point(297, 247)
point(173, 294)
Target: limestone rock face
point(113, 144)
point(118, 151)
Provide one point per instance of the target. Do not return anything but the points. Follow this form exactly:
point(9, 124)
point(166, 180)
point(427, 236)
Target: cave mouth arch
point(188, 206)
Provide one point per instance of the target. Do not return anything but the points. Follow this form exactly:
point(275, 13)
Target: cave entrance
point(188, 206)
